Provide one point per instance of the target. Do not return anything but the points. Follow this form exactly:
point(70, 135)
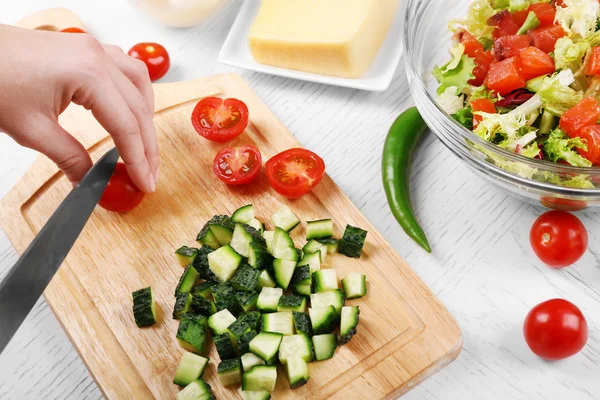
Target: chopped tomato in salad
point(523, 75)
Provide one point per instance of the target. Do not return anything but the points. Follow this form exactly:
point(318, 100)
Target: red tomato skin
point(504, 23)
point(121, 194)
point(472, 45)
point(238, 178)
point(593, 67)
point(155, 56)
point(534, 63)
point(294, 190)
point(558, 238)
point(555, 329)
point(591, 135)
point(558, 203)
point(73, 30)
point(544, 12)
point(520, 16)
point(510, 46)
point(219, 134)
point(545, 37)
point(483, 61)
point(505, 76)
point(485, 105)
point(585, 113)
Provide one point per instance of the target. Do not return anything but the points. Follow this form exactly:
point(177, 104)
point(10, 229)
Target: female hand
point(42, 72)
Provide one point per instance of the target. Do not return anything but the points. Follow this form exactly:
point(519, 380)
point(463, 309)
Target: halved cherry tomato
point(558, 238)
point(505, 76)
point(472, 45)
point(155, 57)
point(555, 329)
point(485, 105)
point(295, 172)
point(534, 63)
point(593, 67)
point(121, 194)
point(585, 113)
point(545, 37)
point(237, 165)
point(504, 23)
point(544, 12)
point(483, 60)
point(591, 135)
point(73, 30)
point(220, 120)
point(510, 46)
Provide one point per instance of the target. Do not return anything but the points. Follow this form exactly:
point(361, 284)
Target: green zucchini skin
point(352, 242)
point(224, 295)
point(252, 318)
point(144, 312)
point(201, 264)
point(224, 346)
point(245, 278)
point(302, 323)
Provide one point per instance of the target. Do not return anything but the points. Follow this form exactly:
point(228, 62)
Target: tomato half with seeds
point(558, 238)
point(295, 172)
point(220, 120)
point(237, 165)
point(155, 56)
point(121, 194)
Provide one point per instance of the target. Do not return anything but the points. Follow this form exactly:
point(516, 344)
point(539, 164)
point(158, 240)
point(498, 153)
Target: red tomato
point(73, 30)
point(585, 113)
point(545, 37)
point(472, 45)
point(535, 62)
point(505, 76)
point(555, 329)
point(295, 172)
point(520, 16)
point(483, 61)
point(591, 135)
point(121, 194)
point(544, 12)
point(237, 165)
point(510, 46)
point(220, 120)
point(593, 67)
point(154, 56)
point(504, 23)
point(485, 105)
point(558, 238)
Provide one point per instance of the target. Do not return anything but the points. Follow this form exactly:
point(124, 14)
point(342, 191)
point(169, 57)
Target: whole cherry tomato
point(155, 57)
point(121, 194)
point(558, 238)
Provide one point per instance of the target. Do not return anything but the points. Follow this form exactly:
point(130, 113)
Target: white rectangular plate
point(236, 52)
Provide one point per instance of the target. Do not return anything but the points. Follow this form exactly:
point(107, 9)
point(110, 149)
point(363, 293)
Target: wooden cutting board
point(405, 334)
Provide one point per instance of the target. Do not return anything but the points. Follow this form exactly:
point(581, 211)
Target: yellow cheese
point(330, 37)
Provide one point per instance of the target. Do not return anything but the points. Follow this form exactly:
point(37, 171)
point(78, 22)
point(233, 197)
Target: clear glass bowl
point(426, 41)
point(178, 13)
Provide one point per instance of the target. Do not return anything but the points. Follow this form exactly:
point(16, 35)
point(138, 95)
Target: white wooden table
point(482, 266)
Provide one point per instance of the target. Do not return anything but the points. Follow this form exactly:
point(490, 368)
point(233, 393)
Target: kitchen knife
point(28, 278)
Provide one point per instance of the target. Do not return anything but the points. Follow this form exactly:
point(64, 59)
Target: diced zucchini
point(332, 297)
point(295, 346)
point(230, 372)
point(268, 299)
point(220, 321)
point(292, 303)
point(207, 238)
point(313, 260)
point(202, 305)
point(201, 264)
point(319, 229)
point(254, 394)
point(243, 343)
point(241, 240)
point(266, 345)
point(261, 377)
point(222, 227)
point(331, 243)
point(224, 295)
point(252, 318)
point(224, 346)
point(352, 242)
point(323, 319)
point(144, 309)
point(186, 255)
point(224, 262)
point(196, 390)
point(259, 257)
point(268, 235)
point(243, 214)
point(191, 367)
point(247, 300)
point(192, 333)
point(203, 289)
point(265, 280)
point(302, 323)
point(314, 246)
point(324, 280)
point(250, 360)
point(237, 329)
point(256, 224)
point(281, 322)
point(284, 270)
point(282, 246)
point(183, 304)
point(187, 280)
point(348, 323)
point(301, 275)
point(354, 285)
point(297, 371)
point(285, 219)
point(303, 289)
point(324, 346)
point(245, 278)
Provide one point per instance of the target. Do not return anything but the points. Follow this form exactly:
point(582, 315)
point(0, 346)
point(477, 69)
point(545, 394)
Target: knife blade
point(28, 278)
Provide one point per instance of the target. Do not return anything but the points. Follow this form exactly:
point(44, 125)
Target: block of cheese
point(330, 37)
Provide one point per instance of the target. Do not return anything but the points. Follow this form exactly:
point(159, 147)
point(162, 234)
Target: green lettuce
point(450, 101)
point(578, 181)
point(556, 95)
point(514, 5)
point(559, 146)
point(530, 23)
point(455, 73)
point(476, 22)
point(578, 17)
point(464, 116)
point(569, 55)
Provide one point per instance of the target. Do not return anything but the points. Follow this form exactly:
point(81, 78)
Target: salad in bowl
point(524, 75)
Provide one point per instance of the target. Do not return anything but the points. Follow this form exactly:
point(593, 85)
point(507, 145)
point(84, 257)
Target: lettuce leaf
point(456, 73)
point(556, 95)
point(450, 101)
point(559, 146)
point(578, 181)
point(464, 116)
point(569, 55)
point(578, 17)
point(476, 22)
point(515, 5)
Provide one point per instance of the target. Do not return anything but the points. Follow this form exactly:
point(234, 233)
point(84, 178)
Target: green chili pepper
point(401, 141)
